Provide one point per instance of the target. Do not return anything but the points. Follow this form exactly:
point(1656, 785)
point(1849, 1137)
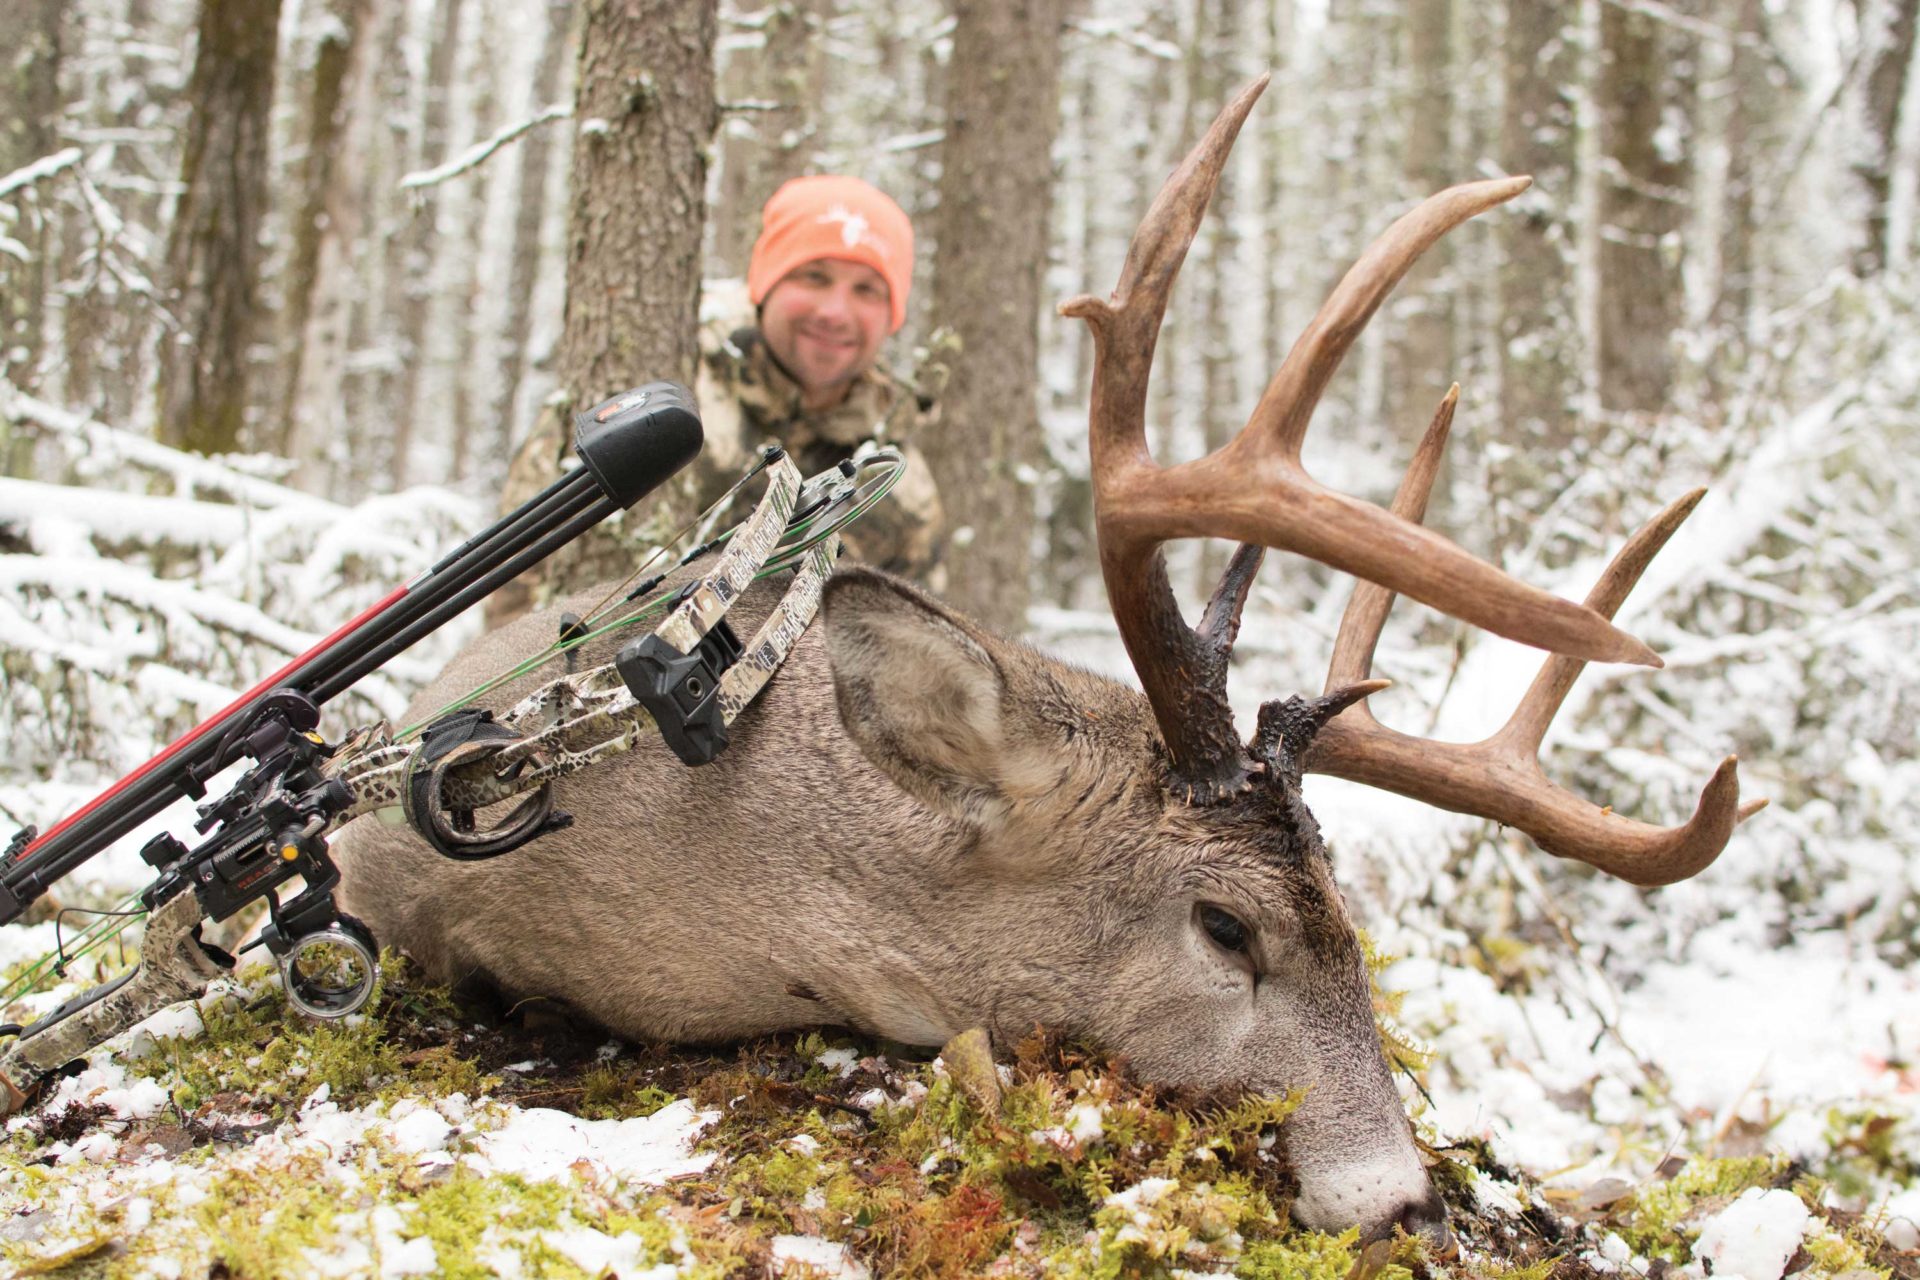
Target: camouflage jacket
point(748, 401)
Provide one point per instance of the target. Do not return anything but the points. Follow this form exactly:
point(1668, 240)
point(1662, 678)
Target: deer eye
point(1224, 928)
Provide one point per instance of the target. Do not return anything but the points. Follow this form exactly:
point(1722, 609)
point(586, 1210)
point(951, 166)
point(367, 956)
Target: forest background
point(290, 280)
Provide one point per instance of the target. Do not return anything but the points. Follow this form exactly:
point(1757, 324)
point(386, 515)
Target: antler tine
point(1182, 671)
point(1527, 727)
point(1279, 421)
point(1256, 493)
point(1500, 777)
point(1368, 606)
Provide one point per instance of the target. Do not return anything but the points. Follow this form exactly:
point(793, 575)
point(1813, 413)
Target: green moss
point(781, 1175)
point(609, 1093)
point(1305, 1255)
point(1836, 1254)
point(1397, 1044)
point(279, 1058)
point(1866, 1149)
point(1660, 1219)
point(261, 1223)
point(1539, 1269)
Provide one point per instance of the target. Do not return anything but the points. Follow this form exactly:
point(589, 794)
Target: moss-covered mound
point(392, 1144)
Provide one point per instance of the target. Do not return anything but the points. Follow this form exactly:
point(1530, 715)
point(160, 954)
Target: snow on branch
point(40, 170)
point(477, 154)
point(155, 584)
point(96, 449)
point(1126, 34)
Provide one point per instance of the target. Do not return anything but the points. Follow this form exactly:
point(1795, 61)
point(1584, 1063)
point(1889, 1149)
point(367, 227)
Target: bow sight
point(686, 680)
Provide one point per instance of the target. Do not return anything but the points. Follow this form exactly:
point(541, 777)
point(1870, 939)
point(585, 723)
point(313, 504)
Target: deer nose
point(1425, 1218)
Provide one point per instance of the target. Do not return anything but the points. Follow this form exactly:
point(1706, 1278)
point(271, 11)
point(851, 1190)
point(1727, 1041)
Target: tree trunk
point(1645, 107)
point(331, 451)
point(29, 131)
point(644, 111)
point(764, 148)
point(213, 256)
point(1217, 42)
point(996, 168)
point(420, 237)
point(1420, 361)
point(1886, 33)
point(1753, 100)
point(1539, 321)
point(530, 211)
point(462, 303)
point(644, 107)
point(326, 98)
point(1277, 130)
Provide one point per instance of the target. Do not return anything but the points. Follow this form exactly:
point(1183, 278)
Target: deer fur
point(922, 827)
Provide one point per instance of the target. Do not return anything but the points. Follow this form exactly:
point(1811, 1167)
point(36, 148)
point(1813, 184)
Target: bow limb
point(174, 966)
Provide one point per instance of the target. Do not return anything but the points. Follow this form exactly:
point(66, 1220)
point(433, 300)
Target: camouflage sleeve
point(906, 533)
point(724, 456)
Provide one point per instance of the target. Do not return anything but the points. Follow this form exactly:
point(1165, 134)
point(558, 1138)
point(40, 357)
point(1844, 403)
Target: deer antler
point(1500, 777)
point(1254, 488)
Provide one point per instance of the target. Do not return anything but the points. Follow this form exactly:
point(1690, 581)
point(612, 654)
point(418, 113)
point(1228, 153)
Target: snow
point(827, 1258)
point(1901, 1215)
point(839, 1061)
point(420, 1131)
point(1751, 1006)
point(1084, 1123)
point(1755, 1236)
point(543, 1144)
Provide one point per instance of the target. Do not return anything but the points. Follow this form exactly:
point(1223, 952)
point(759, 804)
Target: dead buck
point(923, 827)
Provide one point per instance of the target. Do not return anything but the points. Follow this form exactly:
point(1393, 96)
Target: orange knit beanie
point(829, 216)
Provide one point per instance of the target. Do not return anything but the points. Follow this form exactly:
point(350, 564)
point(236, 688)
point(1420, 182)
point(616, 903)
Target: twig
point(112, 235)
point(478, 153)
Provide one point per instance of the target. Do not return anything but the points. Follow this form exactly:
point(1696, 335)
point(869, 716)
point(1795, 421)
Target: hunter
point(791, 358)
point(795, 360)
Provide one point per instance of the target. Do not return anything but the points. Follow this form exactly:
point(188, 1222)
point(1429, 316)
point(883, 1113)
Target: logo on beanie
point(854, 229)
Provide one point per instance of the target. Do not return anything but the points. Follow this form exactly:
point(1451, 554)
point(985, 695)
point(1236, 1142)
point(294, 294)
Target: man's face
point(824, 322)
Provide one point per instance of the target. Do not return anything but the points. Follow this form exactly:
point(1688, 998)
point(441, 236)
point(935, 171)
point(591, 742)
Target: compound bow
point(686, 679)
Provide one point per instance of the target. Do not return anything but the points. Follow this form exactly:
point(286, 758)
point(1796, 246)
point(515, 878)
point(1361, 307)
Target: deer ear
point(920, 692)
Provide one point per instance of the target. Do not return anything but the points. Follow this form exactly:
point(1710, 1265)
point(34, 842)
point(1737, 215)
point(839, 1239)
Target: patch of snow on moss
point(1753, 1237)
